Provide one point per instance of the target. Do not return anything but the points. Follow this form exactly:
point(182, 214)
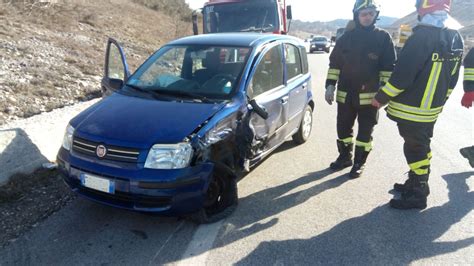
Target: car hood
point(130, 121)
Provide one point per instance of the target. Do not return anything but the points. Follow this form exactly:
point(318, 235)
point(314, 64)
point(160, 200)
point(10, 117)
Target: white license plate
point(98, 183)
point(320, 49)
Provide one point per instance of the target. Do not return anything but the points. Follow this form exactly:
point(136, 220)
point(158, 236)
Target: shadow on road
point(274, 200)
point(18, 154)
point(383, 236)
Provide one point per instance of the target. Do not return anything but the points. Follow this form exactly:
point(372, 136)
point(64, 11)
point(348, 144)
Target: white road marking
point(199, 247)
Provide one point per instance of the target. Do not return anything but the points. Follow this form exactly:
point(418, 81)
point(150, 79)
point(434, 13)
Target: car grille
point(114, 153)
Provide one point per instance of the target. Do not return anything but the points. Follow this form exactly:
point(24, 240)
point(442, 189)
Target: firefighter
point(360, 63)
point(424, 77)
point(468, 98)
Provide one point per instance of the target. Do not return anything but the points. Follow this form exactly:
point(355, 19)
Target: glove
point(330, 94)
point(467, 99)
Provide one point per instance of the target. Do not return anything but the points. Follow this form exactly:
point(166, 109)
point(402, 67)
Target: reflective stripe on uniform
point(341, 96)
point(414, 110)
point(333, 74)
point(366, 98)
point(455, 69)
point(391, 90)
point(469, 74)
point(431, 85)
point(385, 76)
point(469, 70)
point(346, 140)
point(411, 117)
point(420, 167)
point(449, 92)
point(366, 145)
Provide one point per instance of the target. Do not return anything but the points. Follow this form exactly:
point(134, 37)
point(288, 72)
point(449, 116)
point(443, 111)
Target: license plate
point(98, 183)
point(320, 49)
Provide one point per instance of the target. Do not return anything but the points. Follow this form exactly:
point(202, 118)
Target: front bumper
point(167, 192)
point(319, 48)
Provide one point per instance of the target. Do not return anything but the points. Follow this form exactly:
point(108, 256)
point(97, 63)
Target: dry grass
point(63, 44)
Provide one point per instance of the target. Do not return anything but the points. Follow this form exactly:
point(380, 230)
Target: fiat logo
point(101, 151)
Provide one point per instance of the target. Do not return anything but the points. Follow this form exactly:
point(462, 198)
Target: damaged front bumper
point(132, 187)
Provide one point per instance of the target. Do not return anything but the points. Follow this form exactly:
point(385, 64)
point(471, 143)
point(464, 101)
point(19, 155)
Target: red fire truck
point(266, 16)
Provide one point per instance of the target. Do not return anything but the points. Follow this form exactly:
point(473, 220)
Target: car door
point(116, 70)
point(297, 85)
point(267, 89)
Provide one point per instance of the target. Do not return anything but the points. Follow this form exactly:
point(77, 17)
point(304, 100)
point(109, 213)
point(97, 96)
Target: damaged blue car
point(174, 137)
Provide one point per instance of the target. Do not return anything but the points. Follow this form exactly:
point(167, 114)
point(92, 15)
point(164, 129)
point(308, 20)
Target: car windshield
point(256, 16)
point(319, 39)
point(197, 72)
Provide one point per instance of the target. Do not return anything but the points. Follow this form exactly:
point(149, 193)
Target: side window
point(116, 69)
point(293, 61)
point(269, 73)
point(304, 59)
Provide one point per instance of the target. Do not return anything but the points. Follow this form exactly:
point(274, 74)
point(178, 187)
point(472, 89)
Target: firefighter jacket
point(469, 71)
point(361, 61)
point(425, 75)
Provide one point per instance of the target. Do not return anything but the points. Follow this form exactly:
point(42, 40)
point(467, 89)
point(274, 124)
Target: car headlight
point(67, 140)
point(169, 156)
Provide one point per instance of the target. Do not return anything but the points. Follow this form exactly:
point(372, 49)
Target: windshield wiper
point(186, 94)
point(151, 93)
point(255, 29)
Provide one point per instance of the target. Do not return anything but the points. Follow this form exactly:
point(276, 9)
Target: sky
point(327, 10)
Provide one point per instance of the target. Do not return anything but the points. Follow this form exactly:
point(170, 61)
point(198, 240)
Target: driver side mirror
point(289, 14)
point(195, 21)
point(260, 110)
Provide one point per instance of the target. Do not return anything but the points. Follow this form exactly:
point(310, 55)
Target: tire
point(305, 128)
point(221, 198)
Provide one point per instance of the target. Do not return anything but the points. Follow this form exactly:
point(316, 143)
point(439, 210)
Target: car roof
point(233, 39)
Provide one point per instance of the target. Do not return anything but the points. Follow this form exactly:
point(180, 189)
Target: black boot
point(415, 195)
point(360, 158)
point(405, 186)
point(468, 153)
point(345, 156)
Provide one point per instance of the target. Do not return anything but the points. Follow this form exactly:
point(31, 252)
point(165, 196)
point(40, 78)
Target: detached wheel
point(220, 199)
point(306, 127)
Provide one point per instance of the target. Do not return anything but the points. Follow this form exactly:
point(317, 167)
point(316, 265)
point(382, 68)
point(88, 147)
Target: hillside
point(52, 55)
point(304, 29)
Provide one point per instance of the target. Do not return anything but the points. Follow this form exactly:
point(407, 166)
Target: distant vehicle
point(265, 16)
point(174, 137)
point(320, 43)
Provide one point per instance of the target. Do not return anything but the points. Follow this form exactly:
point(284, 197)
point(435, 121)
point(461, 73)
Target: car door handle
point(284, 100)
point(305, 86)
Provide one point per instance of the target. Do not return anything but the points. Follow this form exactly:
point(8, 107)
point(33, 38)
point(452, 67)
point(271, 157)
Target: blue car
point(174, 137)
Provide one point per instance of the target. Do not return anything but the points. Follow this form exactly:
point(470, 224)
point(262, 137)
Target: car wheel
point(306, 127)
point(220, 199)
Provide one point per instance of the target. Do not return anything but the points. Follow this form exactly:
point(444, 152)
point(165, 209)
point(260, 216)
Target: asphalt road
point(292, 210)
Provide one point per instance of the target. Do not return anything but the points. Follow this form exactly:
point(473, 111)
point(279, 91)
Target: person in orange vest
point(424, 77)
point(468, 98)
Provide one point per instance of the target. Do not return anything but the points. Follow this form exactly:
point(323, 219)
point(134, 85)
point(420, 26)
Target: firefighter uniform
point(361, 61)
point(469, 73)
point(468, 98)
point(424, 77)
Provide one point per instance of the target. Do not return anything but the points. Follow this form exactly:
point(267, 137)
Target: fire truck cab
point(265, 16)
